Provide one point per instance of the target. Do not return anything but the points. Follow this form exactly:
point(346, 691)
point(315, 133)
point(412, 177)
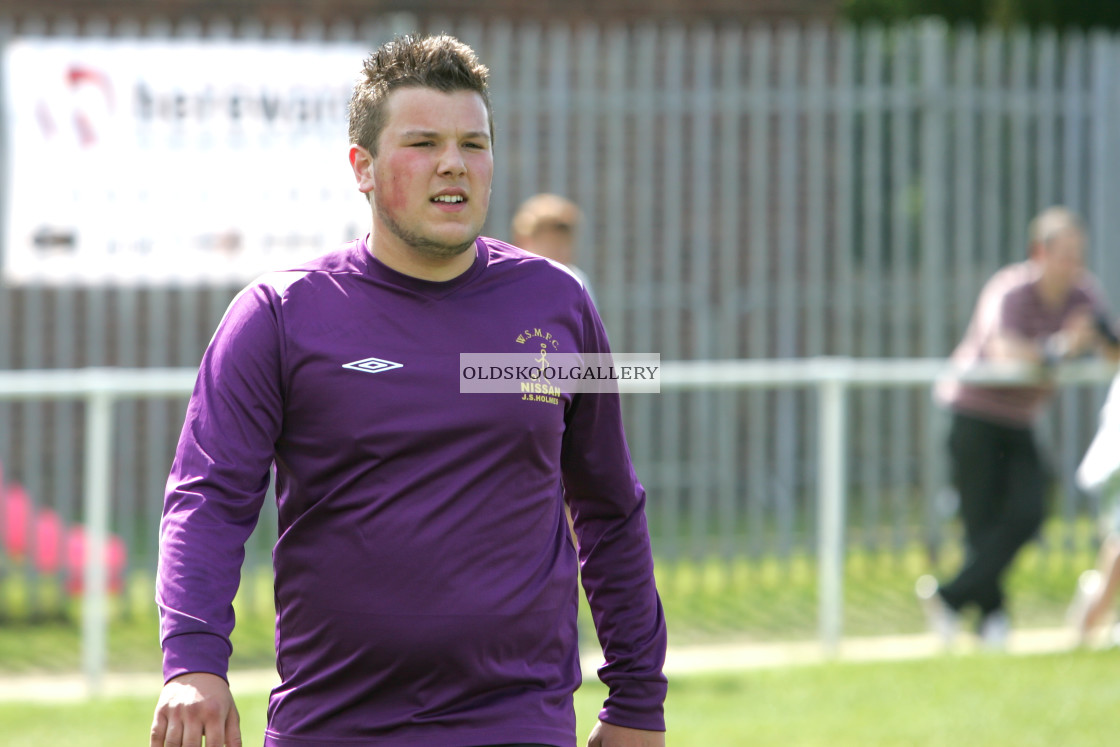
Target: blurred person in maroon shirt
point(1040, 311)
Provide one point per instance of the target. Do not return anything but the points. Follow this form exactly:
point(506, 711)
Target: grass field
point(1044, 700)
point(1066, 699)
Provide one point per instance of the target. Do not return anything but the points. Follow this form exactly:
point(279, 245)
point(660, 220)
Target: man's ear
point(361, 161)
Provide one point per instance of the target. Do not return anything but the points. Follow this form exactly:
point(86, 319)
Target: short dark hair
point(435, 61)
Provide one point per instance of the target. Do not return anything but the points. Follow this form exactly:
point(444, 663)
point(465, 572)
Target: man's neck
point(408, 261)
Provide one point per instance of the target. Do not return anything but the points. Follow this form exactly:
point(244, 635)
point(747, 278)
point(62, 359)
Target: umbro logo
point(372, 365)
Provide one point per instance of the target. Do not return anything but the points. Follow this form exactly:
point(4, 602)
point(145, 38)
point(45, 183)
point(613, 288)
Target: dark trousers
point(1002, 483)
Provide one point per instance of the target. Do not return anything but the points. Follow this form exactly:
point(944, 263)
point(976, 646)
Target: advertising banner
point(175, 162)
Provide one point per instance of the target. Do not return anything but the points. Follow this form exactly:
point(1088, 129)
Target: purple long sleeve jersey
point(426, 586)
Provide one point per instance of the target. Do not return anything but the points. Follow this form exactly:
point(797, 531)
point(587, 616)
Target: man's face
point(554, 242)
point(1063, 259)
point(432, 172)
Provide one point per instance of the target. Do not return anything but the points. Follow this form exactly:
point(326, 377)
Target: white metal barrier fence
point(832, 378)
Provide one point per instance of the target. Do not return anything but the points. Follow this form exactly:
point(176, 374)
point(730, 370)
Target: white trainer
point(1114, 636)
point(943, 620)
point(995, 629)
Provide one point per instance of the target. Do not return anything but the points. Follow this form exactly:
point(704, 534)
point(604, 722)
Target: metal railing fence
point(833, 380)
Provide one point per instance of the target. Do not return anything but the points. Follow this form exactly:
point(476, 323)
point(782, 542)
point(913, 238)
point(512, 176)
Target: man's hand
point(193, 705)
point(609, 735)
point(1080, 333)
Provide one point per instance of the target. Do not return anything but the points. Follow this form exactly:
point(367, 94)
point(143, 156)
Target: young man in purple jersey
point(1040, 311)
point(426, 587)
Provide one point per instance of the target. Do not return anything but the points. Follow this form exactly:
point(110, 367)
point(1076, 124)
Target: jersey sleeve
point(217, 485)
point(608, 509)
point(1010, 316)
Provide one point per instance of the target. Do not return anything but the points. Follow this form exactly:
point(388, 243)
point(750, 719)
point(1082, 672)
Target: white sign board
point(175, 162)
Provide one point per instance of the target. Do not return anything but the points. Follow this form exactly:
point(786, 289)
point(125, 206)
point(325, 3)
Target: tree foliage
point(1062, 15)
